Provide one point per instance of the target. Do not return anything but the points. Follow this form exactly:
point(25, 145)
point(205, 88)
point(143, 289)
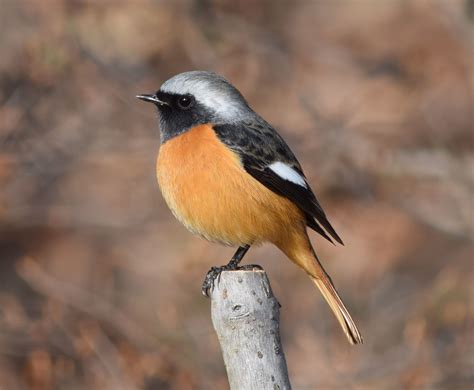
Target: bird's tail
point(325, 285)
point(308, 260)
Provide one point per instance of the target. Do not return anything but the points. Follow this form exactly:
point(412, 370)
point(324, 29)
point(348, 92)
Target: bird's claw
point(213, 276)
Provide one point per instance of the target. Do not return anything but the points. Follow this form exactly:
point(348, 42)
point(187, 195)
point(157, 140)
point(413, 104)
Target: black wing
point(259, 145)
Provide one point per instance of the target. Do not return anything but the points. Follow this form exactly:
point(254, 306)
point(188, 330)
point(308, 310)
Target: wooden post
point(246, 317)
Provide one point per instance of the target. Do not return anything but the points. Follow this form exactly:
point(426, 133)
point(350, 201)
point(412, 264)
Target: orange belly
point(207, 189)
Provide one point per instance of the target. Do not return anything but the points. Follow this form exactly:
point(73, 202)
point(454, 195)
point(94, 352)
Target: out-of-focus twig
point(82, 300)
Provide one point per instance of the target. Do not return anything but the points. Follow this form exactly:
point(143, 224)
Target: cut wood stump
point(246, 317)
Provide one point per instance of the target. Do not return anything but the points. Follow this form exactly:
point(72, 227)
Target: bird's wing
point(267, 158)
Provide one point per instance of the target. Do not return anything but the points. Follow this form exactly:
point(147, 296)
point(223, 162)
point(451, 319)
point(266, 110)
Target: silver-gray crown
point(212, 91)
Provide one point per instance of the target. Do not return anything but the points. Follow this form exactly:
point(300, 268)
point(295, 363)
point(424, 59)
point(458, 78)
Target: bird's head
point(193, 98)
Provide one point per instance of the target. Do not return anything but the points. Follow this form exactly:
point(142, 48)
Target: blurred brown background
point(100, 286)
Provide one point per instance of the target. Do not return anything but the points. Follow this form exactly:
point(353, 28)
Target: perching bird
point(229, 177)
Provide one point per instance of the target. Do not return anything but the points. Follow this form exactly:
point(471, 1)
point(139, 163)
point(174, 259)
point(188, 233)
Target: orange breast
point(208, 190)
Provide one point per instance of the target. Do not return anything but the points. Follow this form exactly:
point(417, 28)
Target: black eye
point(185, 102)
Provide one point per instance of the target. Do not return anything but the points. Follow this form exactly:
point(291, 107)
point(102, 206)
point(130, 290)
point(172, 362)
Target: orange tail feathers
point(331, 296)
point(308, 260)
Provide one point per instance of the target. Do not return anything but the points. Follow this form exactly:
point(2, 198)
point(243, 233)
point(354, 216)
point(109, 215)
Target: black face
point(179, 113)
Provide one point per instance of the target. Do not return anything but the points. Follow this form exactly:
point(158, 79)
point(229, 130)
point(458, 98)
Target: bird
point(229, 177)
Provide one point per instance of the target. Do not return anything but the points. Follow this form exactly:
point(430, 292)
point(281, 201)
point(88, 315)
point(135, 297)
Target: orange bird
point(229, 177)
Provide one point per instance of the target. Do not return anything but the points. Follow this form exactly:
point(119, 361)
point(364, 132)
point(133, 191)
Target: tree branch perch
point(246, 318)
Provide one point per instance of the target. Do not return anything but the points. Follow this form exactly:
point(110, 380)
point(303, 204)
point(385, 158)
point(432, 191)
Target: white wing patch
point(288, 173)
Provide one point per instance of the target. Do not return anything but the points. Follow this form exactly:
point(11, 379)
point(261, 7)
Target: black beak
point(152, 99)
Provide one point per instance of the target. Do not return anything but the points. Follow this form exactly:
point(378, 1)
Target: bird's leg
point(214, 273)
point(237, 258)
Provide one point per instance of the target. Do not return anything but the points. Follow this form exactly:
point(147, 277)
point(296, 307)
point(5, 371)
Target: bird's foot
point(214, 274)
